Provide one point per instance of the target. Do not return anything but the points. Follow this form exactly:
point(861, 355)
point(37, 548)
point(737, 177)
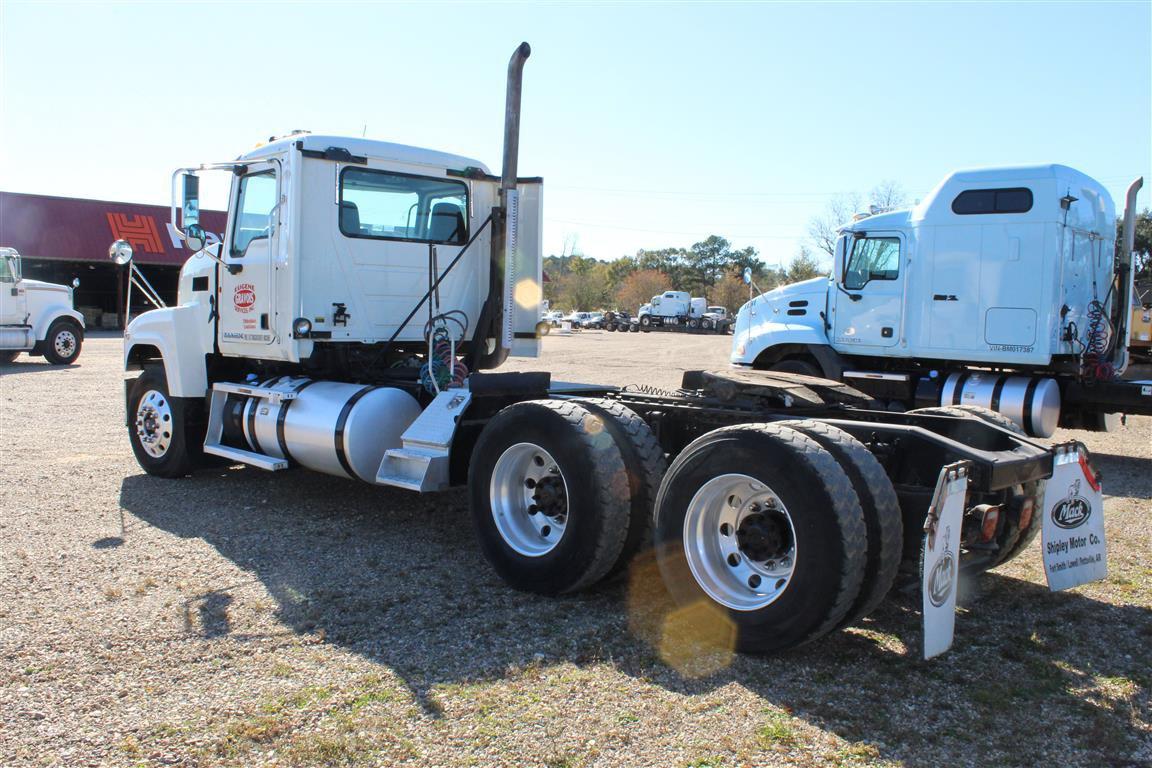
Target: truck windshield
point(254, 206)
point(872, 258)
point(7, 270)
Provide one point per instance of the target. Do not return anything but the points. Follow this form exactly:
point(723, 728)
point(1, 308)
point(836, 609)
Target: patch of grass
point(280, 669)
point(627, 717)
point(329, 750)
point(706, 762)
point(113, 593)
point(777, 731)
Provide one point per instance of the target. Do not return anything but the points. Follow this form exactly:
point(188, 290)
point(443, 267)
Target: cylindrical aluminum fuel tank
point(340, 429)
point(1032, 402)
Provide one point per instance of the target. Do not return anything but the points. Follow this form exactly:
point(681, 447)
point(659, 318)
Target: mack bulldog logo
point(943, 575)
point(1073, 510)
point(244, 297)
point(940, 583)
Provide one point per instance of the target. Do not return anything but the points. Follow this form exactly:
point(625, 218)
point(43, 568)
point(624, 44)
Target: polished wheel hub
point(154, 423)
point(739, 542)
point(529, 498)
point(65, 343)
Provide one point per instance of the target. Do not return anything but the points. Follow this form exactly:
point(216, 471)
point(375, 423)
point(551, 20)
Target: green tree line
point(711, 268)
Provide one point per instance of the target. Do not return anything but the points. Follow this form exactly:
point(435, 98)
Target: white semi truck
point(1001, 289)
point(36, 317)
point(680, 311)
point(348, 325)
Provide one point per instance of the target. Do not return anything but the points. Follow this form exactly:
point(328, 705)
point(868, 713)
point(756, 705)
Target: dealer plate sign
point(1073, 532)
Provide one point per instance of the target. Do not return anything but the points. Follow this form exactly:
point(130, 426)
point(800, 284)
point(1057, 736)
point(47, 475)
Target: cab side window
point(257, 199)
point(872, 258)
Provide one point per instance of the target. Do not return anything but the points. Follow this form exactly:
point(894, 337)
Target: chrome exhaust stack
point(493, 336)
point(1124, 276)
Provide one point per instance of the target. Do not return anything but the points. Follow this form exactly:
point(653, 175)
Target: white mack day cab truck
point(1000, 290)
point(349, 324)
point(36, 317)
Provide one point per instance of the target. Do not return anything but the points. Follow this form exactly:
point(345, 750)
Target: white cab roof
point(378, 150)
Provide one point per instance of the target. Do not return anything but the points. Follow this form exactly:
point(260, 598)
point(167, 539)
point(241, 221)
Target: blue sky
point(653, 124)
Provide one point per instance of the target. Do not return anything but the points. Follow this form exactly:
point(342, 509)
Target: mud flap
point(941, 570)
point(1073, 532)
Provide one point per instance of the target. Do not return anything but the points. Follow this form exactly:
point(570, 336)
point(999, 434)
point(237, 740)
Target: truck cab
point(997, 268)
point(36, 317)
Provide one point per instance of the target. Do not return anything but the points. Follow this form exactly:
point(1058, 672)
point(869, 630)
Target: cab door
point(245, 299)
point(869, 310)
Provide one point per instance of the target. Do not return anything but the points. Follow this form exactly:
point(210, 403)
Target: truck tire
point(706, 324)
point(166, 434)
point(645, 321)
point(881, 507)
point(796, 365)
point(549, 496)
point(750, 498)
point(645, 466)
point(693, 322)
point(63, 341)
point(8, 356)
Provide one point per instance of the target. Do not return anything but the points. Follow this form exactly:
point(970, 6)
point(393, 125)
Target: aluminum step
point(215, 433)
point(421, 464)
point(258, 460)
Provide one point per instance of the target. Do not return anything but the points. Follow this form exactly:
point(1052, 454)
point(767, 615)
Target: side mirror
point(120, 252)
point(191, 205)
point(195, 237)
point(75, 282)
point(747, 275)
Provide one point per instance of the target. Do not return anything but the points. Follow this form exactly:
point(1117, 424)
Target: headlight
point(301, 327)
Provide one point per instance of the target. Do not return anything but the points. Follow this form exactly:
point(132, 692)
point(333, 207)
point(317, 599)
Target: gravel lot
point(245, 618)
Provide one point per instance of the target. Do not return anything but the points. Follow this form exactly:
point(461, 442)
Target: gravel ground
point(244, 618)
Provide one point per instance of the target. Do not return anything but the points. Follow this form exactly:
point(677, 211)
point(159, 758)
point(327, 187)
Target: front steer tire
point(825, 517)
point(63, 341)
point(177, 442)
point(540, 465)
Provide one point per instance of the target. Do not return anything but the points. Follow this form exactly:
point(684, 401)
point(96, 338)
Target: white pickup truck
point(36, 317)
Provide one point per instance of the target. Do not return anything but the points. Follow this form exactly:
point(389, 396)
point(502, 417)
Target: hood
point(40, 285)
point(817, 286)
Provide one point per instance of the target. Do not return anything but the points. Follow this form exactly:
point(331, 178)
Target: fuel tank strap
point(283, 415)
point(341, 422)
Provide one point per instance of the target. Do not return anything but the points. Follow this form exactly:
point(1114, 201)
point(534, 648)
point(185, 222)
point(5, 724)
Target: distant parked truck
point(678, 310)
point(36, 317)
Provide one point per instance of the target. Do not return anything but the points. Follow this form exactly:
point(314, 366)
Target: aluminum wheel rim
point(154, 423)
point(64, 343)
point(529, 498)
point(740, 542)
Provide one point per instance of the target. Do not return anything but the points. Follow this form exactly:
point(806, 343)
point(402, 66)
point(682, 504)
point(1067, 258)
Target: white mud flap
point(941, 571)
point(1073, 532)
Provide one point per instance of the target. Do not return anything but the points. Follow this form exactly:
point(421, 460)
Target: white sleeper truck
point(1002, 289)
point(36, 317)
point(680, 311)
point(350, 324)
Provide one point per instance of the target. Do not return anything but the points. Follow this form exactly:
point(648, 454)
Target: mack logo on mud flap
point(244, 297)
point(1073, 510)
point(942, 578)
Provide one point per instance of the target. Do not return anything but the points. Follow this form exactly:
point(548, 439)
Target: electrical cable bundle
point(443, 369)
point(1094, 365)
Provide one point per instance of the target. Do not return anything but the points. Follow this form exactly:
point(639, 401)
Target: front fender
point(51, 314)
point(750, 341)
point(175, 334)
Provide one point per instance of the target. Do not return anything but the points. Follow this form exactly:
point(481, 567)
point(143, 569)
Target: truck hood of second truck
point(790, 314)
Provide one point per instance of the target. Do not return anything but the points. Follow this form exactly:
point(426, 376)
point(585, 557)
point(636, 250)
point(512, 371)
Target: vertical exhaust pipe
point(488, 347)
point(1124, 276)
point(512, 117)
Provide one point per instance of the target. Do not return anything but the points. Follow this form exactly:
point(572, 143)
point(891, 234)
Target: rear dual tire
point(763, 524)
